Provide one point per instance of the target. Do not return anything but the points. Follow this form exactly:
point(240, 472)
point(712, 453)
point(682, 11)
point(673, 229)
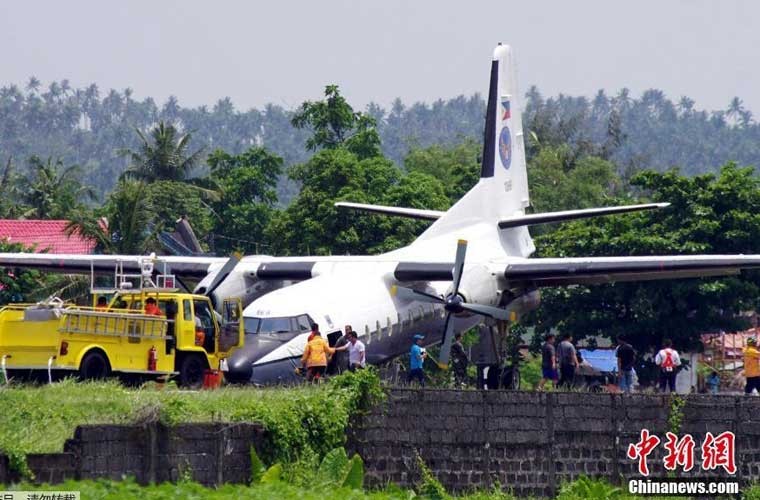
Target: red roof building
point(44, 236)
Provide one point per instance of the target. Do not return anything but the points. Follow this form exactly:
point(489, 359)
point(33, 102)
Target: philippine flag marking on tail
point(507, 115)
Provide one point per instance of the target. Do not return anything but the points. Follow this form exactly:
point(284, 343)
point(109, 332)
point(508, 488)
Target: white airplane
point(473, 261)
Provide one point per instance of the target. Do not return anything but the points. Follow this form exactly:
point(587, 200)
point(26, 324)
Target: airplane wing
point(596, 270)
point(591, 270)
point(182, 266)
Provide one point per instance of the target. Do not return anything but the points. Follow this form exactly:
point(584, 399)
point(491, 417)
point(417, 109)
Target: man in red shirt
point(151, 307)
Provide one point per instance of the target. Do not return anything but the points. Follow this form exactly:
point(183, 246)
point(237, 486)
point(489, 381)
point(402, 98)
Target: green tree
point(171, 200)
point(313, 224)
point(129, 221)
point(709, 214)
point(559, 180)
point(334, 123)
point(11, 206)
point(163, 155)
point(457, 167)
point(247, 183)
point(51, 190)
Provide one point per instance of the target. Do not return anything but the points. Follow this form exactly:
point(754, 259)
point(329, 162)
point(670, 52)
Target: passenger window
point(187, 310)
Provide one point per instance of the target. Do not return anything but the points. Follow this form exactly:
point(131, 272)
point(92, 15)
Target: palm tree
point(127, 223)
point(33, 85)
point(162, 157)
point(52, 190)
point(734, 111)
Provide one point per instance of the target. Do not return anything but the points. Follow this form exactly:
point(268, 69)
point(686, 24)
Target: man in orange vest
point(751, 366)
point(668, 361)
point(315, 355)
point(151, 307)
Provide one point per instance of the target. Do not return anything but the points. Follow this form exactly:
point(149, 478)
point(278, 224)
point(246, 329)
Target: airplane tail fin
point(502, 191)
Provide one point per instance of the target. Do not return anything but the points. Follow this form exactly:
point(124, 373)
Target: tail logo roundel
point(505, 147)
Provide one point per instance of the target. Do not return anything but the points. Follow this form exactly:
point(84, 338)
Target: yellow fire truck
point(149, 330)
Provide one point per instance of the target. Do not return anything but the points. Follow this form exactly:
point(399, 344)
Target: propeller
point(221, 276)
point(453, 304)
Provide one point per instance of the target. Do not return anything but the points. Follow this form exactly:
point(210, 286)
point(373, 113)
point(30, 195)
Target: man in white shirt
point(668, 361)
point(356, 350)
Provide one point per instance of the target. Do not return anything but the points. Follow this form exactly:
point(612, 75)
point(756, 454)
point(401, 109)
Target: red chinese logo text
point(717, 451)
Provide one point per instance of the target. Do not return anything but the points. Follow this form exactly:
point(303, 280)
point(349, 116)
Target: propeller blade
point(493, 312)
point(412, 294)
point(222, 274)
point(459, 264)
point(448, 339)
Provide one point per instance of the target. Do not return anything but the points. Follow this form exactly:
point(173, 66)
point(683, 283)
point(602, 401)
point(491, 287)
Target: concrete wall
point(210, 454)
point(531, 442)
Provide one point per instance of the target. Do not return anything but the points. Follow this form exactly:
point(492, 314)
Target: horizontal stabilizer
point(548, 217)
point(414, 213)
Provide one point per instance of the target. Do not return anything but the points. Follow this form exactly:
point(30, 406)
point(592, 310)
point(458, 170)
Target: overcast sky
point(286, 51)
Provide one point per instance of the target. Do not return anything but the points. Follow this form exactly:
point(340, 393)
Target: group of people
point(559, 364)
point(317, 353)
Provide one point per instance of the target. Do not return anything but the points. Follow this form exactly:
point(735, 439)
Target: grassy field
point(304, 423)
point(128, 490)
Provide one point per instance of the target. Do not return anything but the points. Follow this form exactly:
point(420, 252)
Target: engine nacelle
point(238, 284)
point(478, 286)
point(525, 303)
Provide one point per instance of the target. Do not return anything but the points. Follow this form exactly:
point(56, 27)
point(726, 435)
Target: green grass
point(304, 422)
point(582, 489)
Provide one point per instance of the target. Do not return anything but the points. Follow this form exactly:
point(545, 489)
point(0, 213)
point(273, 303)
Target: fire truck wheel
point(94, 366)
point(191, 371)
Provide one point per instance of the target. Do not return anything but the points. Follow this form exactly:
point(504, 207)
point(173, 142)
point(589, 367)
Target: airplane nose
point(240, 366)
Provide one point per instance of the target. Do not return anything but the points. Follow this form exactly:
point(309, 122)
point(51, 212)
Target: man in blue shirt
point(417, 356)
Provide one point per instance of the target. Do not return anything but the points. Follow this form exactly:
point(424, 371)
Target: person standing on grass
point(568, 361)
point(459, 361)
point(668, 361)
point(315, 356)
point(751, 366)
point(417, 357)
point(340, 360)
point(356, 351)
point(548, 362)
point(626, 357)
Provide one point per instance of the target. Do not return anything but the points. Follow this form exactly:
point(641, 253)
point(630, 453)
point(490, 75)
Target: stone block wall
point(211, 454)
point(531, 442)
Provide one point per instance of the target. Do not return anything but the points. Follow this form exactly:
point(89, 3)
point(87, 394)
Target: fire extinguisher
point(152, 359)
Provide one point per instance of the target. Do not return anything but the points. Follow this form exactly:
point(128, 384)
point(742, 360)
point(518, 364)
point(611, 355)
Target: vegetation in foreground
point(581, 489)
point(304, 422)
point(305, 457)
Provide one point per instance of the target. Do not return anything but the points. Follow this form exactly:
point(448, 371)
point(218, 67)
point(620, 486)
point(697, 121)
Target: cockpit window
point(275, 325)
point(251, 325)
point(294, 324)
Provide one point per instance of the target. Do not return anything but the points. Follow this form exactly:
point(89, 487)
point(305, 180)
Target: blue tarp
point(603, 360)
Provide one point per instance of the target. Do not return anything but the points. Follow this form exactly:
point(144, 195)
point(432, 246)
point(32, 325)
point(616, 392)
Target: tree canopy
point(711, 214)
